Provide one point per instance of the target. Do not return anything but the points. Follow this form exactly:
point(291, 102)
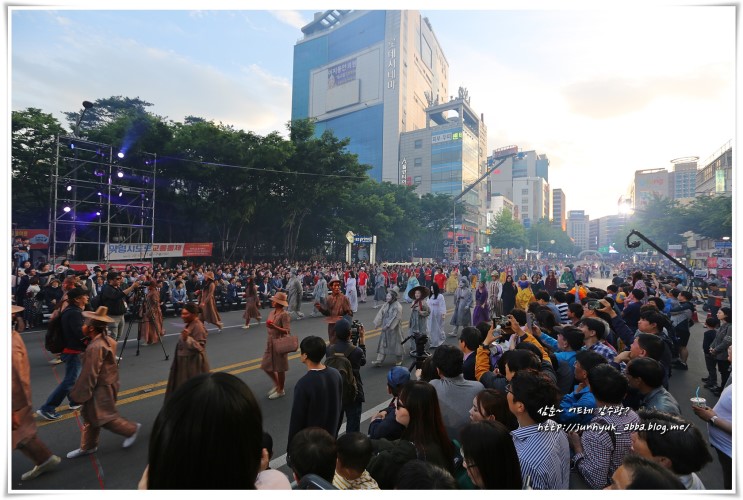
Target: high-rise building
point(369, 75)
point(605, 232)
point(683, 178)
point(648, 184)
point(578, 228)
point(559, 209)
point(716, 177)
point(532, 195)
point(449, 156)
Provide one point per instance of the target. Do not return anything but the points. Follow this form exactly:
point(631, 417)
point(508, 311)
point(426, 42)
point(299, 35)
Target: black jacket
point(113, 298)
point(357, 357)
point(72, 329)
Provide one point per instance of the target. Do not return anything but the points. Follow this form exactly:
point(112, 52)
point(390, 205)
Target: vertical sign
point(719, 181)
point(391, 64)
point(403, 171)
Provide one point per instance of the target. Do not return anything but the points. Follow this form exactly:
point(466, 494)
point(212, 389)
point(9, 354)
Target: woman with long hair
point(491, 404)
point(481, 312)
point(508, 295)
point(274, 364)
point(452, 281)
point(190, 352)
point(251, 303)
point(550, 282)
point(437, 305)
point(479, 441)
point(424, 437)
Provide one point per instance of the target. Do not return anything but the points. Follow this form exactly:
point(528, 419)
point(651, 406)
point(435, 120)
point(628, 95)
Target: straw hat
point(330, 283)
point(100, 314)
point(16, 309)
point(421, 288)
point(280, 298)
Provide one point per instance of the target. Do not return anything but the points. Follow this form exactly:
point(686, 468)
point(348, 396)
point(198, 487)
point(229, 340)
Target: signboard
point(505, 151)
point(724, 263)
point(362, 239)
point(140, 251)
point(342, 73)
point(701, 254)
point(674, 247)
point(446, 136)
point(711, 262)
point(719, 181)
point(39, 238)
point(723, 244)
point(700, 273)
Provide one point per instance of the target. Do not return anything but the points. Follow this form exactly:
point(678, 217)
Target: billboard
point(142, 251)
point(342, 73)
point(39, 238)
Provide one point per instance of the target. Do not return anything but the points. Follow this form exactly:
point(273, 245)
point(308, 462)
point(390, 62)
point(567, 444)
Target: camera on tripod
point(356, 327)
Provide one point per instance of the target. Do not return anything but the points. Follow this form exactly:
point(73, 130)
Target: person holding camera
point(114, 298)
point(356, 355)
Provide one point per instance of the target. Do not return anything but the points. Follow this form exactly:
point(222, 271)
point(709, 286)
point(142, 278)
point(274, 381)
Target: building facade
point(559, 210)
point(716, 177)
point(648, 184)
point(369, 75)
point(578, 228)
point(448, 157)
point(683, 179)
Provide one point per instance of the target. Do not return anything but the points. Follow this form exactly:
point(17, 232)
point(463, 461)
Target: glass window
point(417, 180)
point(418, 143)
point(418, 162)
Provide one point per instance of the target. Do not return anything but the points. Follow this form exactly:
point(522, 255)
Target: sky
point(602, 92)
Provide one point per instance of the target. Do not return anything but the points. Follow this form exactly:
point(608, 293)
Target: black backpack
point(340, 362)
point(53, 340)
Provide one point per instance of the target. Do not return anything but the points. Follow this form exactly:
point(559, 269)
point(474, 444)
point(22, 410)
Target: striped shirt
point(563, 308)
point(363, 482)
point(544, 454)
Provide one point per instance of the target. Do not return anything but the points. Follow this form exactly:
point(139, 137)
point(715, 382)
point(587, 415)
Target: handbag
point(286, 344)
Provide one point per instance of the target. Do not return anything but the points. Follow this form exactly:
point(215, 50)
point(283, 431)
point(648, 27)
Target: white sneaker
point(245, 327)
point(277, 395)
point(38, 470)
point(130, 440)
point(272, 391)
point(81, 453)
point(55, 361)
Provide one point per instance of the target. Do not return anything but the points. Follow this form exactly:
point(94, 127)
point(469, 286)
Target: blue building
point(369, 76)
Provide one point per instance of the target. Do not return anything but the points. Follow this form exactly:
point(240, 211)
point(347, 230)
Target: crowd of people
point(560, 381)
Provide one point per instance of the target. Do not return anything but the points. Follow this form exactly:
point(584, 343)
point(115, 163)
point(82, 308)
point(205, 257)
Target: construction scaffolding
point(99, 196)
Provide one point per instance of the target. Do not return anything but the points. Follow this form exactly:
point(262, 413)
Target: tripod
point(147, 317)
point(420, 350)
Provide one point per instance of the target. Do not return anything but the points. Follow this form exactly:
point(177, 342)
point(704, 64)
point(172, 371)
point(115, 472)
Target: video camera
point(356, 327)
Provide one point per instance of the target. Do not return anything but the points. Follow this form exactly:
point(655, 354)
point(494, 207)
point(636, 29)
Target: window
point(418, 162)
point(417, 180)
point(418, 143)
point(524, 191)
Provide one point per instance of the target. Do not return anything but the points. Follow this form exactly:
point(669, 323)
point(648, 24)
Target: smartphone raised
point(529, 320)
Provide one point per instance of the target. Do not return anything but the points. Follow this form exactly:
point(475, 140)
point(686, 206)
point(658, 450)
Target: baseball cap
point(397, 376)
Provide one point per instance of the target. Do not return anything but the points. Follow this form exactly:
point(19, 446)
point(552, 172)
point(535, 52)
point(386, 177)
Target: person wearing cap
point(389, 318)
point(356, 355)
point(383, 424)
point(274, 364)
point(336, 306)
point(190, 352)
point(74, 341)
point(114, 298)
point(24, 432)
point(98, 386)
point(208, 303)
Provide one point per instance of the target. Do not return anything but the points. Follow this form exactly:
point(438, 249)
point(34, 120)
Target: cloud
point(293, 18)
point(609, 97)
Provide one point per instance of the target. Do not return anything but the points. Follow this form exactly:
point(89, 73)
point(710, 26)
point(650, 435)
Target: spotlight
point(99, 172)
point(98, 212)
point(72, 145)
point(120, 174)
point(100, 194)
point(121, 193)
point(121, 154)
point(146, 179)
point(66, 209)
point(68, 188)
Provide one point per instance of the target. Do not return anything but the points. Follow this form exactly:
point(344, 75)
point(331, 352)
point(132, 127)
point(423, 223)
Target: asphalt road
point(143, 379)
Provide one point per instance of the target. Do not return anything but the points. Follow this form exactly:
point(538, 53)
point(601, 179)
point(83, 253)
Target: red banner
point(197, 249)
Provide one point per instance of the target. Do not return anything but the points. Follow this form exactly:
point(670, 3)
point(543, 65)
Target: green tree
point(710, 216)
point(105, 111)
point(662, 220)
point(34, 138)
point(507, 232)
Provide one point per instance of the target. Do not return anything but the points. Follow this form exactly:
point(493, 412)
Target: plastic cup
point(700, 402)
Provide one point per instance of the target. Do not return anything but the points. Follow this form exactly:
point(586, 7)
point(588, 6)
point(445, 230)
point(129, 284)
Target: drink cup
point(700, 402)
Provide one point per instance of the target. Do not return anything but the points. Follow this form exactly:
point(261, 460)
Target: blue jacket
point(577, 402)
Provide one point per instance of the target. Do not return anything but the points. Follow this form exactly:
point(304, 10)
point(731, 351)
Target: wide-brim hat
point(100, 314)
point(16, 309)
point(330, 283)
point(423, 290)
point(280, 298)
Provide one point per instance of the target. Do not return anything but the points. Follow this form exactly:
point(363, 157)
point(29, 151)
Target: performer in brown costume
point(336, 306)
point(190, 352)
point(208, 303)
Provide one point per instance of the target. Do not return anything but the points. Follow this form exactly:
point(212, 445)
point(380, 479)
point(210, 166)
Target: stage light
point(99, 172)
point(98, 212)
point(66, 209)
point(121, 154)
point(100, 194)
point(120, 174)
point(146, 179)
point(68, 187)
point(121, 193)
point(72, 145)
